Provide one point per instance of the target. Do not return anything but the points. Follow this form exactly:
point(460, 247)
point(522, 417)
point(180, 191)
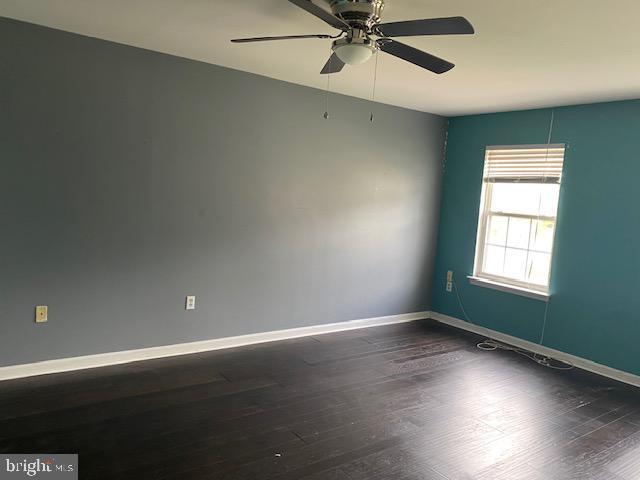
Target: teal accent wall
point(594, 311)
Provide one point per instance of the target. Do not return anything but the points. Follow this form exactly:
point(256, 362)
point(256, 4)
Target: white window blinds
point(524, 163)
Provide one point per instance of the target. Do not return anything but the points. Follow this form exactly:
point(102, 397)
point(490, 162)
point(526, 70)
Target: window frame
point(539, 291)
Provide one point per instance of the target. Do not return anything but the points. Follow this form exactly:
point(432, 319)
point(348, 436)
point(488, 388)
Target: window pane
point(542, 236)
point(549, 195)
point(525, 198)
point(538, 268)
point(515, 197)
point(518, 236)
point(515, 262)
point(494, 260)
point(497, 234)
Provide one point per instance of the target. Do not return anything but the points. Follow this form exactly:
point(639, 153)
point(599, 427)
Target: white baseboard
point(579, 362)
point(115, 358)
point(127, 356)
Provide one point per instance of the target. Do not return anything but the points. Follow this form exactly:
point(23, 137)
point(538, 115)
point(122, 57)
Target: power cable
point(491, 344)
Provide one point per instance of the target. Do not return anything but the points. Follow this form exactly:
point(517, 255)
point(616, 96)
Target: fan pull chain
point(375, 80)
point(328, 91)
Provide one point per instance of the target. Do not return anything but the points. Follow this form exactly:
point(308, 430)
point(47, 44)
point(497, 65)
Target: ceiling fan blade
point(286, 37)
point(333, 65)
point(431, 26)
point(415, 56)
point(321, 13)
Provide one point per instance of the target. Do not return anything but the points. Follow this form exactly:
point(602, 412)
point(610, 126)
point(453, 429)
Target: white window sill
point(504, 287)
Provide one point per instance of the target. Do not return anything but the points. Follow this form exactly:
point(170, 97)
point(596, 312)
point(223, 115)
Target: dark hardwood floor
point(412, 401)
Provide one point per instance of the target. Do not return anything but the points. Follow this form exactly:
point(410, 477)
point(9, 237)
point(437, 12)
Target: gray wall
point(130, 179)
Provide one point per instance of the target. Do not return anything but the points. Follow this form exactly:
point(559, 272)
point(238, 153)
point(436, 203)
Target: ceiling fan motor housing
point(360, 14)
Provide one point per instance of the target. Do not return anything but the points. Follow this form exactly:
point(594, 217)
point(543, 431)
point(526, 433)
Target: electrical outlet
point(449, 280)
point(42, 313)
point(190, 303)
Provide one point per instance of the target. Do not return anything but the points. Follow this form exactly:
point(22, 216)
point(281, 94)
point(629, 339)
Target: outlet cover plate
point(190, 302)
point(42, 313)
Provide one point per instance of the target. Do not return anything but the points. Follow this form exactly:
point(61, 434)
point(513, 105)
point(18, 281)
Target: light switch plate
point(190, 302)
point(42, 313)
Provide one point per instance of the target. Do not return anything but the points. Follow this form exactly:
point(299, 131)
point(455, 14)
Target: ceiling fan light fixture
point(354, 54)
point(354, 51)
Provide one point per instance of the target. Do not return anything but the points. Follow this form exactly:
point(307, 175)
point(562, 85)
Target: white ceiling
point(526, 53)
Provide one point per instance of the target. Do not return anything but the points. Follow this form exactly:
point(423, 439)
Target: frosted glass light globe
point(354, 54)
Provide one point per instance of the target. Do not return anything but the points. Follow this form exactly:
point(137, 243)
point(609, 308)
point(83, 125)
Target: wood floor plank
point(416, 401)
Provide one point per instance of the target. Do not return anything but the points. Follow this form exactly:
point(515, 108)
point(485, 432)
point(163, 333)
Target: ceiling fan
point(359, 21)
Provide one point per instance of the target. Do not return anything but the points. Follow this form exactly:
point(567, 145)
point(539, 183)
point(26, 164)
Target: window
point(517, 223)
